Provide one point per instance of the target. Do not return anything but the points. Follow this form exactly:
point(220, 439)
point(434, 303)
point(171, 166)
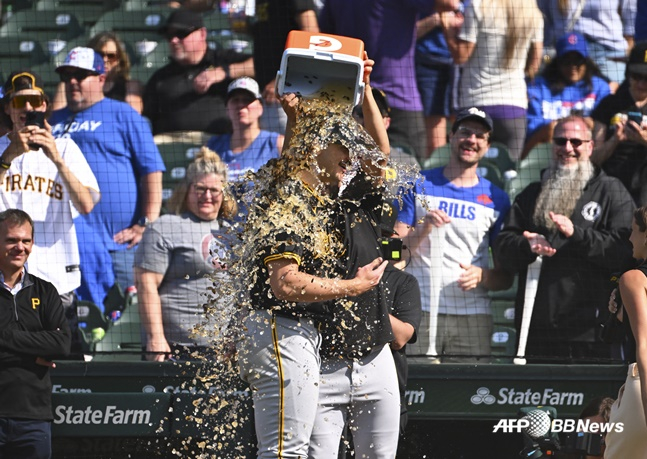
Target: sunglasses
point(181, 34)
point(35, 100)
point(639, 77)
point(573, 61)
point(562, 141)
point(110, 57)
point(78, 75)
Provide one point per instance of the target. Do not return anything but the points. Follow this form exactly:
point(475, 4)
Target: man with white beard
point(578, 219)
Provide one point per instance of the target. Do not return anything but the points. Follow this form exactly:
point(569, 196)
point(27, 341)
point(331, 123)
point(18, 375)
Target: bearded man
point(578, 219)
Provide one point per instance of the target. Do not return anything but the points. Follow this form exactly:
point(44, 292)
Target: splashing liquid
point(282, 211)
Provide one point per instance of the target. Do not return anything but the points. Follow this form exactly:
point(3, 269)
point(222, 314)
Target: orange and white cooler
point(315, 64)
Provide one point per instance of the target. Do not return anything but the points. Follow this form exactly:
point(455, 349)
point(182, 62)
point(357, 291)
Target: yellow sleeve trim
point(280, 256)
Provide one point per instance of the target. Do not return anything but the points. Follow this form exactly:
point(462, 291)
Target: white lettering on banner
point(68, 415)
point(585, 425)
point(511, 396)
point(548, 397)
point(557, 426)
point(414, 396)
point(59, 389)
point(511, 425)
point(324, 43)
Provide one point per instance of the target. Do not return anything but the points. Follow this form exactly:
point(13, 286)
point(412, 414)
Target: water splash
point(273, 199)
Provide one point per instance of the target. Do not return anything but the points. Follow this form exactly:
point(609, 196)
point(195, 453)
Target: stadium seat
point(176, 156)
point(216, 21)
point(499, 154)
point(150, 55)
point(91, 319)
point(503, 312)
point(62, 25)
point(133, 24)
point(490, 171)
point(226, 40)
point(529, 169)
point(538, 158)
point(88, 12)
point(440, 157)
point(19, 5)
point(21, 53)
point(123, 340)
point(504, 343)
point(142, 5)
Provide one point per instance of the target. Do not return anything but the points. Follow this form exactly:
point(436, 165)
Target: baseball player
point(293, 252)
point(51, 179)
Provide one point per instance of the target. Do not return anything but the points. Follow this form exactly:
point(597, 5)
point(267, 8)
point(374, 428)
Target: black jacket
point(574, 284)
point(32, 324)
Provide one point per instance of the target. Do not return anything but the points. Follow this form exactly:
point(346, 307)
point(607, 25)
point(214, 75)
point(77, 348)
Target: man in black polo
point(33, 330)
point(188, 94)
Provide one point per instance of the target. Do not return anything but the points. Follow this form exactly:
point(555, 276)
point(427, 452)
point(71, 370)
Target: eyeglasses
point(23, 81)
point(202, 190)
point(467, 133)
point(78, 75)
point(35, 100)
point(181, 34)
point(110, 57)
point(638, 77)
point(561, 141)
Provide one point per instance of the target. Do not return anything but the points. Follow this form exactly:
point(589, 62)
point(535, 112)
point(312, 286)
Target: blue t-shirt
point(477, 214)
point(118, 144)
point(544, 106)
point(262, 149)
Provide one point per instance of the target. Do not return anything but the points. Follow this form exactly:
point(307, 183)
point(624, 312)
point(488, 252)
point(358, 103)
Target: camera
point(35, 118)
point(391, 248)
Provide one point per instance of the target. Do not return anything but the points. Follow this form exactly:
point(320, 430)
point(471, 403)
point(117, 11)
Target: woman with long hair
point(498, 45)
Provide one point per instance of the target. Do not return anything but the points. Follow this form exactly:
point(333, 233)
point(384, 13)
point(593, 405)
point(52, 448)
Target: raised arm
point(290, 284)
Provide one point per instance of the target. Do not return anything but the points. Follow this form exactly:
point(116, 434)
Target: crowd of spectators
point(524, 65)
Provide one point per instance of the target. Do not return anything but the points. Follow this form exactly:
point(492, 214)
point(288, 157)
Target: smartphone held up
point(34, 118)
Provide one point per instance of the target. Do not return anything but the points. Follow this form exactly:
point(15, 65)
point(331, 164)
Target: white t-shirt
point(34, 185)
point(484, 79)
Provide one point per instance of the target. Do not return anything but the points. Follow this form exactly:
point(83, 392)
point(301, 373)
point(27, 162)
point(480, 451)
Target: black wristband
point(4, 165)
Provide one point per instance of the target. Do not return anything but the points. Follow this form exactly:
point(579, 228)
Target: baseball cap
point(22, 79)
point(571, 42)
point(83, 58)
point(473, 114)
point(638, 58)
point(183, 20)
point(245, 84)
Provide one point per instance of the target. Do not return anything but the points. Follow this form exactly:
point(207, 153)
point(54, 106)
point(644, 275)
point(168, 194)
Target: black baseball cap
point(183, 20)
point(473, 114)
point(22, 79)
point(638, 58)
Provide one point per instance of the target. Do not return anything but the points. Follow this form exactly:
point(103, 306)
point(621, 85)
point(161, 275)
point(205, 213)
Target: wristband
point(4, 165)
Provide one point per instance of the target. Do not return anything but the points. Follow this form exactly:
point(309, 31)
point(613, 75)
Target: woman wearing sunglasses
point(118, 85)
point(47, 178)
